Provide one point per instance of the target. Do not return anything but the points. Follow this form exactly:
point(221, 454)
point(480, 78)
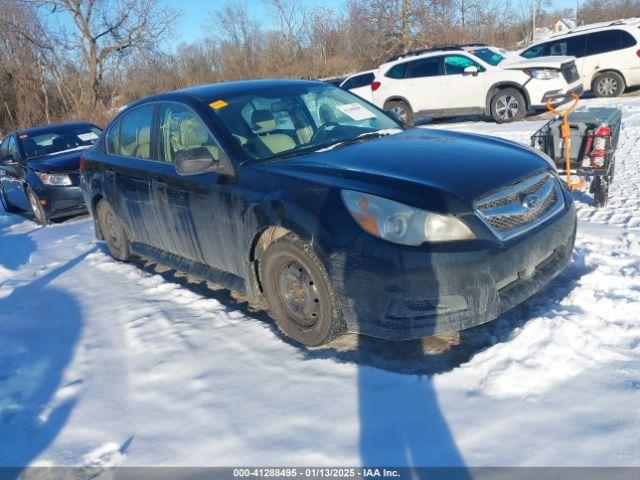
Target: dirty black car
point(39, 169)
point(311, 198)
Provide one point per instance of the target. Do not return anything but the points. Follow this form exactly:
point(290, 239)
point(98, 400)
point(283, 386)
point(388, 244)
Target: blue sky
point(195, 12)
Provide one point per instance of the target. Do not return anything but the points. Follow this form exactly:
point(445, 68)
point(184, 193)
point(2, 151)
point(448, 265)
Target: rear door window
point(572, 46)
point(133, 139)
point(608, 41)
point(425, 67)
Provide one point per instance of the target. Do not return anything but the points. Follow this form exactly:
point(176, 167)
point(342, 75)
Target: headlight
point(542, 74)
point(402, 224)
point(54, 179)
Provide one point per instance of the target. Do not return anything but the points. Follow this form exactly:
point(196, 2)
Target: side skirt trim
point(181, 264)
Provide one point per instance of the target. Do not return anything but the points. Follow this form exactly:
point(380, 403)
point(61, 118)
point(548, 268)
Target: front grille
point(570, 72)
point(521, 207)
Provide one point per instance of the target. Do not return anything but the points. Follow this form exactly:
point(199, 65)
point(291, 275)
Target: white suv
point(607, 54)
point(449, 81)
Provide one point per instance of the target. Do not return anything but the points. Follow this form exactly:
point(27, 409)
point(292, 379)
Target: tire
point(39, 214)
point(299, 292)
point(403, 110)
point(608, 84)
point(113, 233)
point(508, 105)
point(600, 191)
point(5, 203)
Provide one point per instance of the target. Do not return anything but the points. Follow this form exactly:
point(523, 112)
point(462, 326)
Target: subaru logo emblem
point(531, 202)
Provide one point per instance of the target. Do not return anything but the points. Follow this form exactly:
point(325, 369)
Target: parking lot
point(106, 364)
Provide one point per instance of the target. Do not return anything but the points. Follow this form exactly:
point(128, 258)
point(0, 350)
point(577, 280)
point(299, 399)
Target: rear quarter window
point(397, 71)
point(608, 41)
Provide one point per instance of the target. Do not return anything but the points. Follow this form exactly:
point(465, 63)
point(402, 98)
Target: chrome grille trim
point(505, 214)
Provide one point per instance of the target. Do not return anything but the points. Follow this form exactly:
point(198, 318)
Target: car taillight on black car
point(82, 163)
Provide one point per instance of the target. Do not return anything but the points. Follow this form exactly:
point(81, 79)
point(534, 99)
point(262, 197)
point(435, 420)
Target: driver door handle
point(159, 183)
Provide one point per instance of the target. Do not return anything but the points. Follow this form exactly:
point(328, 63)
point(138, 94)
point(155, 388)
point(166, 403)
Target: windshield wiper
point(360, 138)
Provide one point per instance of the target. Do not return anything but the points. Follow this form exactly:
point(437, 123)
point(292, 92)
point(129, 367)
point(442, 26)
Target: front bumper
point(63, 201)
point(561, 97)
point(401, 293)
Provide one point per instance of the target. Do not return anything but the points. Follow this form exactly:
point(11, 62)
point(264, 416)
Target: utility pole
point(533, 18)
point(577, 6)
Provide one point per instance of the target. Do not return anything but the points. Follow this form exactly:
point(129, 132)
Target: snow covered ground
point(104, 363)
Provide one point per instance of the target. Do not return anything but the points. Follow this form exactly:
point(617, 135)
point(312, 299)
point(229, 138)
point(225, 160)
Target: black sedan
point(343, 220)
point(39, 169)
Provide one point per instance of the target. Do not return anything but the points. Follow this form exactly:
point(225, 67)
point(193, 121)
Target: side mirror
point(396, 116)
point(471, 70)
point(194, 161)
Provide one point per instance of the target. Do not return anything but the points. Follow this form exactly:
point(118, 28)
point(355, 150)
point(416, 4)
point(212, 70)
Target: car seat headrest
point(262, 121)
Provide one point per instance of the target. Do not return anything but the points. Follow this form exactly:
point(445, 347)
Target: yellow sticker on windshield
point(218, 104)
point(23, 136)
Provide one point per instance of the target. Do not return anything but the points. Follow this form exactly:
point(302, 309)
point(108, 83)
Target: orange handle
point(565, 132)
point(552, 109)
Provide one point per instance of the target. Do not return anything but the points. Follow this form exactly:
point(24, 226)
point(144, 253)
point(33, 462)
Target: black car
point(310, 197)
point(39, 169)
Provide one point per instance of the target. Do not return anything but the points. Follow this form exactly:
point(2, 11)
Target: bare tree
point(105, 29)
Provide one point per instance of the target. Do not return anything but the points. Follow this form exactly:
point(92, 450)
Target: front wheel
point(299, 292)
point(112, 232)
point(39, 213)
point(508, 105)
point(608, 84)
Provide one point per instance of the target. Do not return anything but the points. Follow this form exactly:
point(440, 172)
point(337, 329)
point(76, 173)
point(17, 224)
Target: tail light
point(83, 163)
point(596, 148)
point(375, 86)
point(638, 53)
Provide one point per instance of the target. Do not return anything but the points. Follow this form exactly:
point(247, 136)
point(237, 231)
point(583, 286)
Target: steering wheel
point(322, 129)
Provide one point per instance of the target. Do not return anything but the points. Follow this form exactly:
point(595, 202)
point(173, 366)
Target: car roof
point(52, 126)
point(629, 23)
point(205, 93)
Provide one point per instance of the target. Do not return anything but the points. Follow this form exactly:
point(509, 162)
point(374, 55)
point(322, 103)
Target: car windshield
point(489, 56)
point(298, 119)
point(57, 140)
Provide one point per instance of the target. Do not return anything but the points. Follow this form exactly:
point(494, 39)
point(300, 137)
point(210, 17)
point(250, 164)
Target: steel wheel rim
point(608, 86)
point(112, 232)
point(35, 206)
point(507, 107)
point(402, 113)
point(298, 293)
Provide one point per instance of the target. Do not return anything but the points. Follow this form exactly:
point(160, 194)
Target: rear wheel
point(39, 214)
point(508, 105)
point(5, 203)
point(403, 110)
point(299, 292)
point(608, 84)
point(112, 232)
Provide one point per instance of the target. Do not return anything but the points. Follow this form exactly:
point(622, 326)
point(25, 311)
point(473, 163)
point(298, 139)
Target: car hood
point(517, 62)
point(65, 162)
point(435, 169)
